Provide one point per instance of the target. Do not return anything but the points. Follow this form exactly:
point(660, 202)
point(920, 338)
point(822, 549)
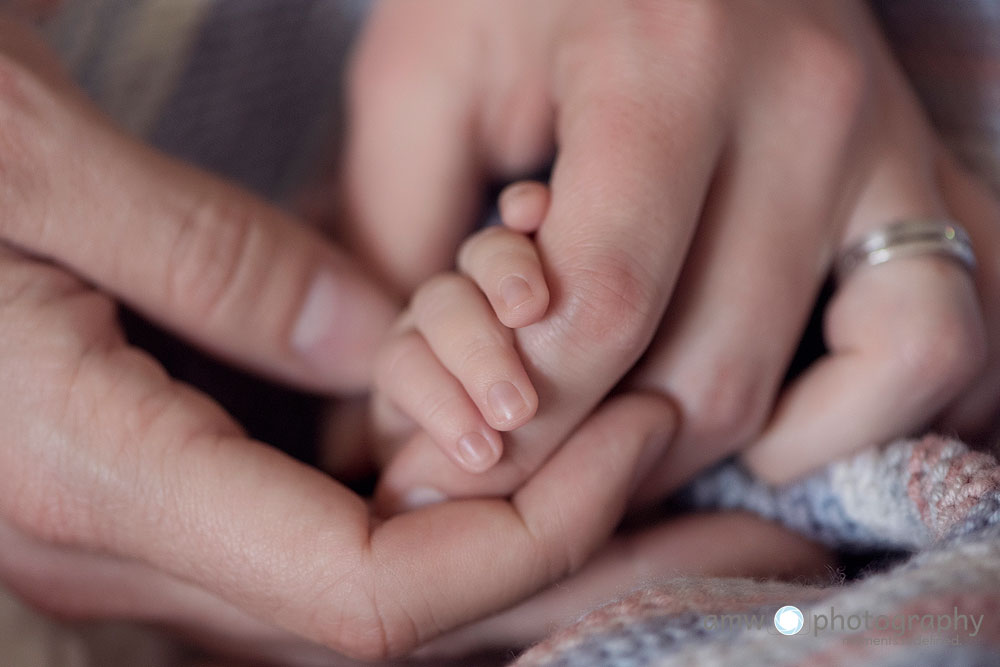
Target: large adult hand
point(741, 143)
point(209, 261)
point(129, 494)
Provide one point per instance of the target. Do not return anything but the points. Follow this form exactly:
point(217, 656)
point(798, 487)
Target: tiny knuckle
point(478, 358)
point(436, 296)
point(393, 355)
point(439, 408)
point(474, 247)
point(720, 407)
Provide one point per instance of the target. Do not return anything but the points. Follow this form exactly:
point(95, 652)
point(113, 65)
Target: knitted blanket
point(251, 88)
point(931, 498)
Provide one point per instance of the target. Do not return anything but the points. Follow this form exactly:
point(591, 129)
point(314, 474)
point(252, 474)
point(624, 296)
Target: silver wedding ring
point(907, 238)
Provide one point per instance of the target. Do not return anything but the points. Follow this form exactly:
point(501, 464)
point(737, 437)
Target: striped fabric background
point(951, 50)
point(246, 87)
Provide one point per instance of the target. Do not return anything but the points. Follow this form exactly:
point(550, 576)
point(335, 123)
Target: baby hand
point(450, 366)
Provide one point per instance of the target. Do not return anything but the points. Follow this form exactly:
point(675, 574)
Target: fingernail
point(339, 328)
point(515, 292)
point(422, 496)
point(506, 402)
point(476, 452)
point(317, 319)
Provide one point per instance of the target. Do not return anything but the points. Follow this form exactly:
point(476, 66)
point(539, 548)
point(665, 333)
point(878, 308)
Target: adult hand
point(729, 545)
point(713, 155)
point(213, 263)
point(128, 494)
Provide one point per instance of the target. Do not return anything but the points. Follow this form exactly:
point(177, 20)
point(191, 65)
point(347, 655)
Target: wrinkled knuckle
point(609, 305)
point(213, 243)
point(361, 638)
point(721, 407)
point(437, 296)
point(488, 349)
point(365, 624)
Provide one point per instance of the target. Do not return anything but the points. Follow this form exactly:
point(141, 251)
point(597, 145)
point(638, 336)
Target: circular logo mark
point(789, 620)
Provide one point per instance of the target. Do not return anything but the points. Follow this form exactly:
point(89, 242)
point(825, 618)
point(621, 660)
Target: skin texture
point(692, 152)
point(450, 367)
point(131, 495)
point(133, 483)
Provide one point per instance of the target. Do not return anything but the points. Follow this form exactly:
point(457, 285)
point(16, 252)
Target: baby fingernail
point(506, 402)
point(476, 452)
point(422, 496)
point(515, 291)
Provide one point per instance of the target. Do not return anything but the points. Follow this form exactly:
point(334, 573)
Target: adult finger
point(177, 486)
point(73, 585)
point(612, 449)
point(905, 337)
point(198, 255)
point(975, 415)
point(761, 254)
point(412, 170)
point(724, 544)
point(612, 246)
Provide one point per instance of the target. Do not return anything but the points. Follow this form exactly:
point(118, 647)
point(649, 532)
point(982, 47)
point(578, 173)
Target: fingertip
point(524, 205)
point(529, 311)
point(477, 451)
point(510, 407)
point(507, 268)
point(517, 302)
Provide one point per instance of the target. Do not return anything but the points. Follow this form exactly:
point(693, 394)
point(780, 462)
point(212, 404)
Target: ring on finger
point(907, 238)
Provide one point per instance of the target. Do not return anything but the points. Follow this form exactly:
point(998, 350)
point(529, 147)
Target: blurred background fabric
point(951, 51)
